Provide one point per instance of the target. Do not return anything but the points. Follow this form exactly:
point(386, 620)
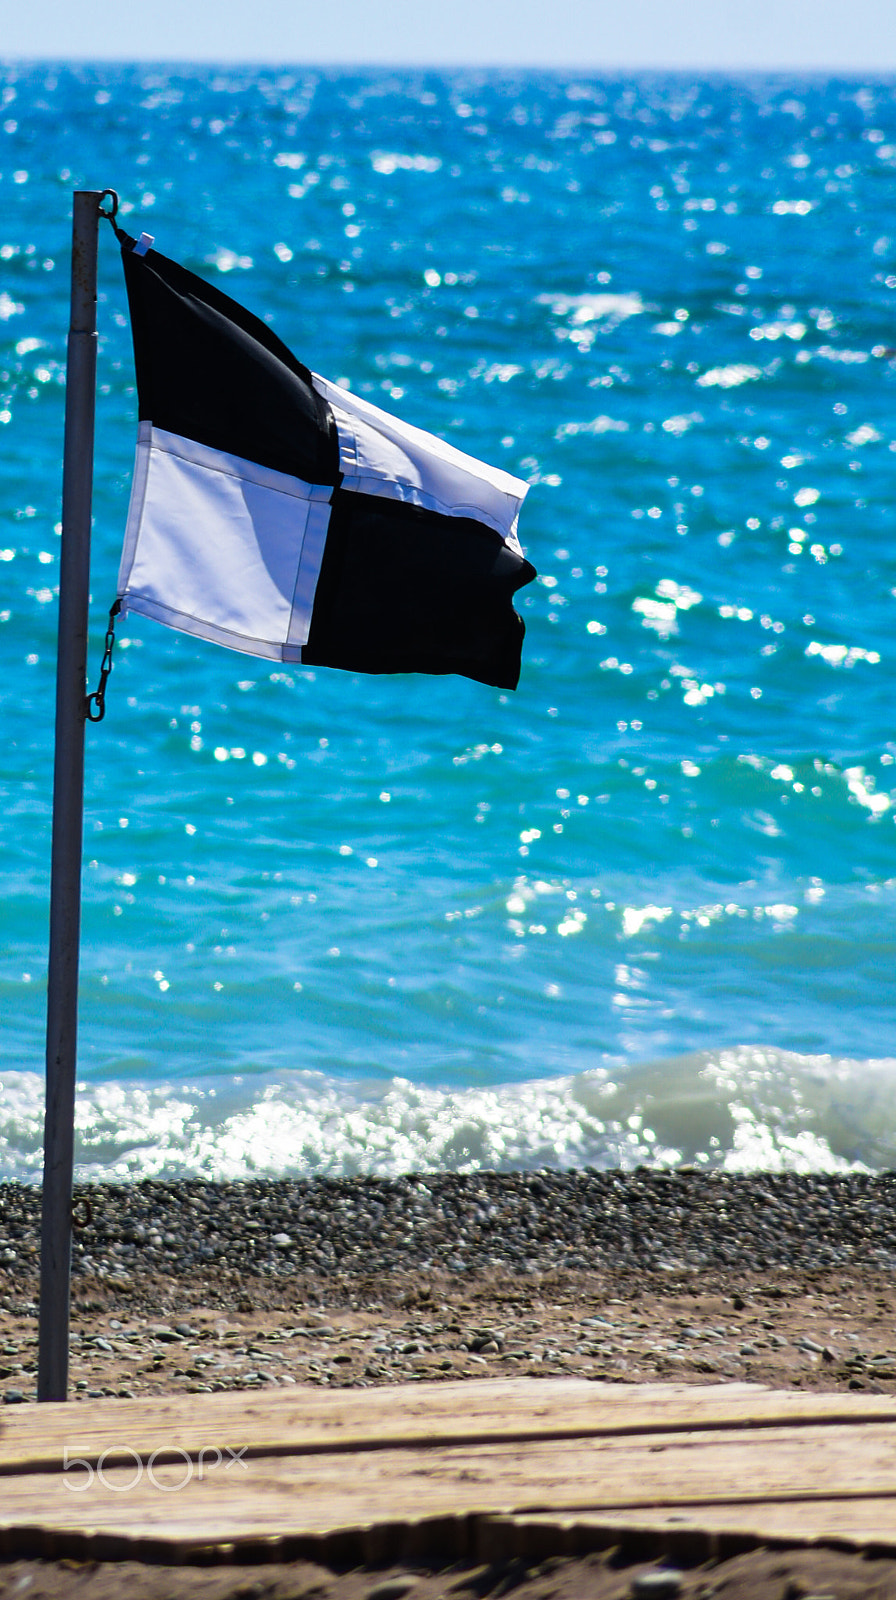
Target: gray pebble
point(13, 1397)
point(486, 1343)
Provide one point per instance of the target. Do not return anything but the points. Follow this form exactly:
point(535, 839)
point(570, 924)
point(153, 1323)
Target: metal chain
point(98, 699)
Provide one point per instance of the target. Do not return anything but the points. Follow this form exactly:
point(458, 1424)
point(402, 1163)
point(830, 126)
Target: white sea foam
point(389, 161)
point(585, 308)
point(729, 377)
point(602, 424)
point(743, 1110)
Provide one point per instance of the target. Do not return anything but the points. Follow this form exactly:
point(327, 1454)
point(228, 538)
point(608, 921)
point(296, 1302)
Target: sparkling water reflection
point(335, 923)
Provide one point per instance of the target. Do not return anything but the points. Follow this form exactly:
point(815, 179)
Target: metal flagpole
point(68, 806)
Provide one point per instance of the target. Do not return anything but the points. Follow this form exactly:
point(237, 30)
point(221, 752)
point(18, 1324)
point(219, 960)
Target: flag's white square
point(222, 548)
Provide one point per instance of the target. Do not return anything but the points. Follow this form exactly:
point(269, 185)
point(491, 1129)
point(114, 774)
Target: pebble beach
point(697, 1276)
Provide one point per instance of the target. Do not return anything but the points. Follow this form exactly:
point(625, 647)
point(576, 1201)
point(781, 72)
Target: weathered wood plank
point(300, 1495)
point(368, 1470)
point(298, 1420)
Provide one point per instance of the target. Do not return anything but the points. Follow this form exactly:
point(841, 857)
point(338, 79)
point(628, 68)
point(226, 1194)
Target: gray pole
point(68, 807)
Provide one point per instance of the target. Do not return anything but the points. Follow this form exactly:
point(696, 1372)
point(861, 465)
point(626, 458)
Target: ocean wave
point(742, 1110)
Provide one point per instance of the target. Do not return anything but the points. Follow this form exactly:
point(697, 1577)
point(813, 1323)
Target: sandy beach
point(631, 1278)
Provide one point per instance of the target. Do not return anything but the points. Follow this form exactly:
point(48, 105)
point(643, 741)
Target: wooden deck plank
point(299, 1495)
point(510, 1460)
point(298, 1420)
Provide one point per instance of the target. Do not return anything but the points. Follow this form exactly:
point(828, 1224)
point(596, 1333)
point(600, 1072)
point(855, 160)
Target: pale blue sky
point(826, 35)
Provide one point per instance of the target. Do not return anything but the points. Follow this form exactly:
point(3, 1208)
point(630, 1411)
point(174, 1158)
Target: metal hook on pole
point(110, 215)
point(95, 709)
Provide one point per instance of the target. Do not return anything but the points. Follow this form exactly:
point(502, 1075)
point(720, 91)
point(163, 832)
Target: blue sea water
point(644, 909)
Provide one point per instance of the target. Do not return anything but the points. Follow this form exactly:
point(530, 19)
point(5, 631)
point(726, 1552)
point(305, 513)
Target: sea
point(642, 911)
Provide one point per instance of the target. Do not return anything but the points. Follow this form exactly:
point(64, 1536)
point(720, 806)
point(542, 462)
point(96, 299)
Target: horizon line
point(556, 67)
